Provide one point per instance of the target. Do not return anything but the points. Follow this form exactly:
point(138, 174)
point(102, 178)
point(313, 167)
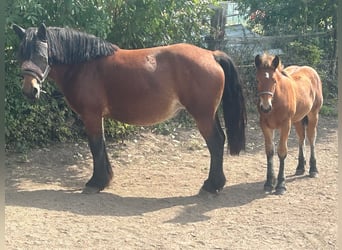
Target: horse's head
point(33, 55)
point(266, 66)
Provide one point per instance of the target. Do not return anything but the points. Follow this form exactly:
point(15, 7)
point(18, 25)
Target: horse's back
point(298, 72)
point(166, 58)
point(308, 85)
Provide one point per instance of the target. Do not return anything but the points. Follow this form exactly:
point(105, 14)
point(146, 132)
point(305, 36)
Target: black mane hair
point(68, 46)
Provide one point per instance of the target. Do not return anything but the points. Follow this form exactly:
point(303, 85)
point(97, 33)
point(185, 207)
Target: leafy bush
point(28, 124)
point(302, 53)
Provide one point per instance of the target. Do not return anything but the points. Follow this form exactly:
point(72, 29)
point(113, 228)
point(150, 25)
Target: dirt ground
point(153, 201)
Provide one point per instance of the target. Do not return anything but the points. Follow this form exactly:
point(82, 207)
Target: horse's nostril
point(266, 110)
point(35, 92)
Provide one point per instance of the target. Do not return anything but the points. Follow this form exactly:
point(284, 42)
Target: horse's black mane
point(68, 46)
point(284, 73)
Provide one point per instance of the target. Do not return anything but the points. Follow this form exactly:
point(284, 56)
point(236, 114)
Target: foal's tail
point(233, 103)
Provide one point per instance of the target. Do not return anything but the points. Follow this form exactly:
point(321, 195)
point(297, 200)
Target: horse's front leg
point(282, 153)
point(102, 170)
point(269, 150)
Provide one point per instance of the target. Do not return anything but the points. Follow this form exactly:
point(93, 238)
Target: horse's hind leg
point(311, 134)
point(215, 138)
point(102, 170)
point(300, 130)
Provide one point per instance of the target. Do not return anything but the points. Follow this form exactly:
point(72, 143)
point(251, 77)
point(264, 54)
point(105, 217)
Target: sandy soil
point(153, 201)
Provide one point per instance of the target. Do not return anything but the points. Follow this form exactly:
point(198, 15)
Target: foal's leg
point(102, 170)
point(215, 138)
point(300, 130)
point(282, 153)
point(269, 150)
point(311, 133)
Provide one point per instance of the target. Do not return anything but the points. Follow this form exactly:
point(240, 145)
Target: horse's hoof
point(206, 194)
point(313, 174)
point(268, 189)
point(210, 188)
point(300, 171)
point(211, 191)
point(90, 190)
point(280, 191)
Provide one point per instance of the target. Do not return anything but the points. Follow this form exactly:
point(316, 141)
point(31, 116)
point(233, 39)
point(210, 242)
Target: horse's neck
point(284, 85)
point(62, 73)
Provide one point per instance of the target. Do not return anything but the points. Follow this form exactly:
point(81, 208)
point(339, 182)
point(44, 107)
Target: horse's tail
point(233, 104)
point(305, 121)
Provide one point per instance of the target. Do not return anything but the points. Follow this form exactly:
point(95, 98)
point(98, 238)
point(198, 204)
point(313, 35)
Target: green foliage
point(290, 17)
point(128, 23)
point(28, 124)
point(330, 107)
point(328, 111)
point(303, 53)
point(150, 23)
point(117, 130)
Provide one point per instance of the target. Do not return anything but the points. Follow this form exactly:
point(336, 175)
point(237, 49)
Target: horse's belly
point(146, 115)
point(303, 107)
point(300, 114)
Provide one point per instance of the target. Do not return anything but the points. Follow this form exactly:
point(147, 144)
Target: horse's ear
point(257, 61)
point(275, 62)
point(42, 32)
point(19, 31)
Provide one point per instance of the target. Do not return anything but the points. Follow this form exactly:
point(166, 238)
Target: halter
point(267, 75)
point(40, 78)
point(31, 68)
point(266, 93)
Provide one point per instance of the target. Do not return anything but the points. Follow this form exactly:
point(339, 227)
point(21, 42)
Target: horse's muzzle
point(265, 110)
point(31, 88)
point(265, 103)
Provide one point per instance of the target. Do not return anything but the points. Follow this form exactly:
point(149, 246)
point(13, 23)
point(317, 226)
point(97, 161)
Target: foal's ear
point(42, 33)
point(257, 61)
point(275, 62)
point(19, 31)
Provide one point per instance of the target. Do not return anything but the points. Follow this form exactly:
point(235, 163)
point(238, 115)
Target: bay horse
point(291, 95)
point(139, 87)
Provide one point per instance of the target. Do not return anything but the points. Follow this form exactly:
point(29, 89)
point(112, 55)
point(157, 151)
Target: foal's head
point(266, 66)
